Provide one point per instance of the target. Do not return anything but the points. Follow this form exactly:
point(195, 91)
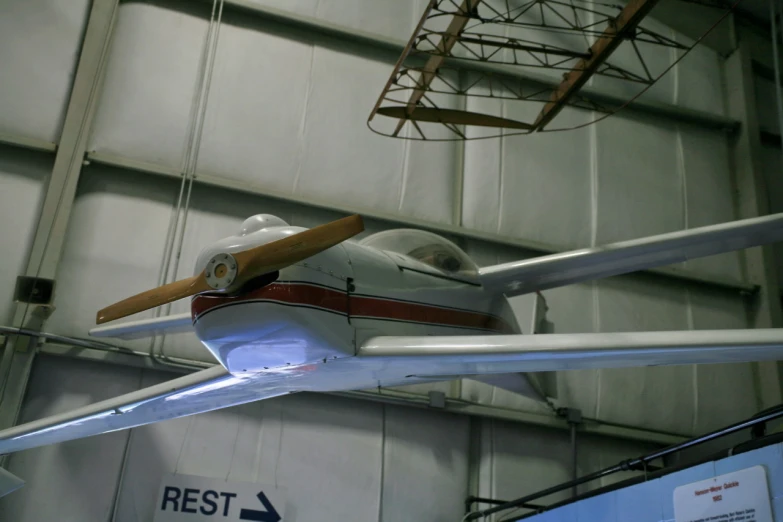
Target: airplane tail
point(9, 482)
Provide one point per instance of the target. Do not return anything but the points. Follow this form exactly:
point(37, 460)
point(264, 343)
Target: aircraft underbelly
point(300, 318)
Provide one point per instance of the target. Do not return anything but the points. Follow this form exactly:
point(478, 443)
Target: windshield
point(425, 247)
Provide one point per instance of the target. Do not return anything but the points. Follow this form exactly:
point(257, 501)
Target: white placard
point(188, 498)
point(741, 496)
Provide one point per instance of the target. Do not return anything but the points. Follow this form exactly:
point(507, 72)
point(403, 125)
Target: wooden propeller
point(229, 272)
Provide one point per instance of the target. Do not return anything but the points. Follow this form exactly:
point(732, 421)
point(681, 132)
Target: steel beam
point(27, 143)
point(390, 396)
point(533, 247)
point(55, 212)
point(765, 310)
point(361, 40)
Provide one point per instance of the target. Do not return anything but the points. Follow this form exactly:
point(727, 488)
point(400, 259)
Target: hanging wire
point(190, 160)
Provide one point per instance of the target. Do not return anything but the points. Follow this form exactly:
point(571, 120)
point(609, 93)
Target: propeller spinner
point(229, 272)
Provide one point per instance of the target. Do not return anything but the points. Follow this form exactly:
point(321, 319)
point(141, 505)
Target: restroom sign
point(188, 498)
point(741, 496)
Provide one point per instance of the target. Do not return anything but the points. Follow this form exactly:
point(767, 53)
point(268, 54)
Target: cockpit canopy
point(425, 247)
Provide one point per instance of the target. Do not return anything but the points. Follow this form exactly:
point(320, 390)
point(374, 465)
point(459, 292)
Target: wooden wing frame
point(466, 54)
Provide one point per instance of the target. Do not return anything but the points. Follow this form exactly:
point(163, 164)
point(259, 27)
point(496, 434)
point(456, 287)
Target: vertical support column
point(573, 416)
point(776, 19)
point(459, 172)
point(58, 201)
point(764, 309)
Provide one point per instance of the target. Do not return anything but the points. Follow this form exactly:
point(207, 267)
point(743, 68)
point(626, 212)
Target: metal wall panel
point(392, 20)
point(516, 462)
point(639, 189)
point(343, 161)
point(662, 396)
point(150, 80)
point(381, 17)
point(766, 103)
point(23, 176)
point(698, 82)
point(283, 113)
point(425, 465)
point(708, 193)
point(480, 393)
point(74, 481)
point(257, 107)
point(531, 186)
point(40, 41)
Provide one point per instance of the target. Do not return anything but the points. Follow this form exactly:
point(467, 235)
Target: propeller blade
point(156, 297)
point(250, 263)
point(267, 258)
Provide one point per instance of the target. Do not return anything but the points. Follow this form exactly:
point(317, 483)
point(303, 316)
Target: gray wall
point(284, 133)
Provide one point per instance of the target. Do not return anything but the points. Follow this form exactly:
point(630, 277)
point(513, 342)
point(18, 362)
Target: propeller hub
point(221, 271)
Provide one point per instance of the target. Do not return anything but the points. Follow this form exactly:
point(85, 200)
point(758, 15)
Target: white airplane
point(286, 309)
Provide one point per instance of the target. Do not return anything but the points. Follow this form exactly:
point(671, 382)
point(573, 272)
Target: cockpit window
point(425, 247)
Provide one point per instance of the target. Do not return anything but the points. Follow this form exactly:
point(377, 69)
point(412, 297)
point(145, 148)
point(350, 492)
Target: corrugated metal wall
point(286, 115)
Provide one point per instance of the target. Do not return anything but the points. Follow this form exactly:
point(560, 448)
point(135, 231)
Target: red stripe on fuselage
point(292, 293)
point(361, 306)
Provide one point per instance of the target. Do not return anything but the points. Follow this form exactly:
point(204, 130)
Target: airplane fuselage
point(325, 307)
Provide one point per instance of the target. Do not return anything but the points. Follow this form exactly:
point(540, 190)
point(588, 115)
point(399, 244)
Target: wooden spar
point(447, 42)
point(625, 23)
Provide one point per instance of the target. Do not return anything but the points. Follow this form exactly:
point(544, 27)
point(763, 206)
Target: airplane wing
point(393, 361)
point(542, 273)
point(199, 392)
point(145, 327)
point(397, 359)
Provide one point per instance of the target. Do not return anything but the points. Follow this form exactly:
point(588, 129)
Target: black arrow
point(270, 515)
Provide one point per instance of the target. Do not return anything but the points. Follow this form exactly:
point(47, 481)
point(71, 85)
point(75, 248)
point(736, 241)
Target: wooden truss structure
point(463, 66)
